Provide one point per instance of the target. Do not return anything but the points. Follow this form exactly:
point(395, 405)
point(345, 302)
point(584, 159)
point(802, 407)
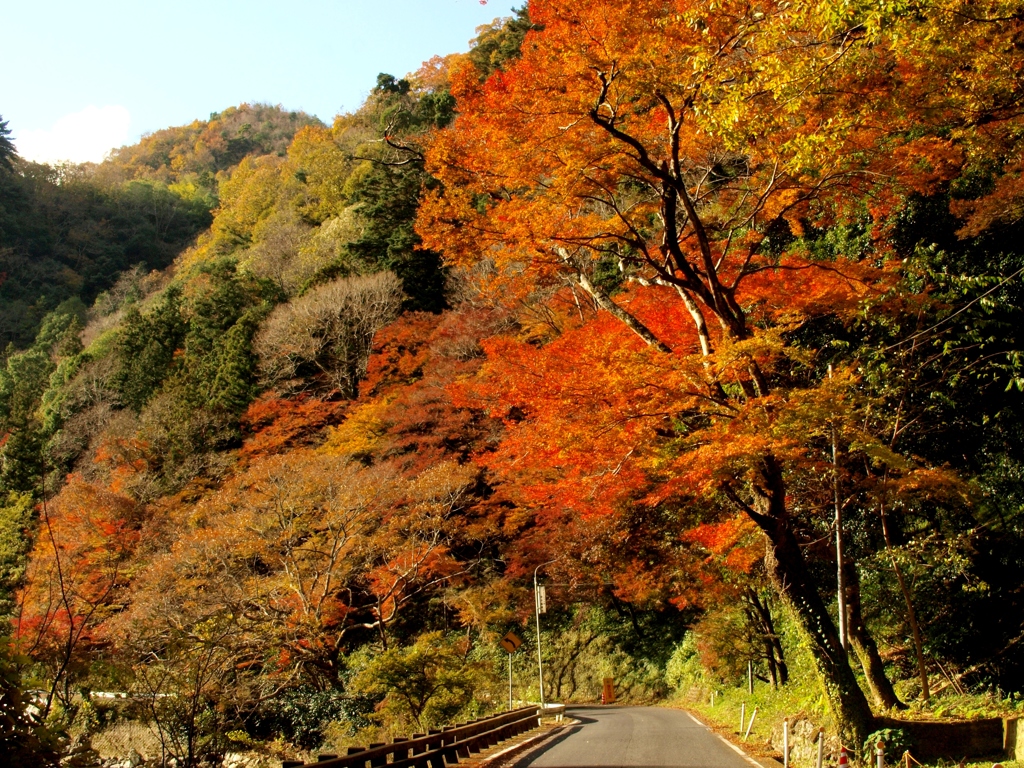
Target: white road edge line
point(725, 741)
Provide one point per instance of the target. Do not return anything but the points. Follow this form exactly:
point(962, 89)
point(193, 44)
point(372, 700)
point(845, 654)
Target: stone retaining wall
point(988, 737)
point(951, 739)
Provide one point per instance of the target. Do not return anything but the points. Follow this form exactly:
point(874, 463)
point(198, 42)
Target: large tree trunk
point(788, 572)
point(864, 645)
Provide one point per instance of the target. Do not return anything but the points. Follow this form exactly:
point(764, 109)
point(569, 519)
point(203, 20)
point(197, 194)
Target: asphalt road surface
point(634, 737)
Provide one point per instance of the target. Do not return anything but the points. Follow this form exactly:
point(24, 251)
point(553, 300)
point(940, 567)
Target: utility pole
point(537, 611)
point(844, 621)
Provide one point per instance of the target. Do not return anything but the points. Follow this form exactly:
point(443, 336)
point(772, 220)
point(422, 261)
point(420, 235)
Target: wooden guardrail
point(436, 748)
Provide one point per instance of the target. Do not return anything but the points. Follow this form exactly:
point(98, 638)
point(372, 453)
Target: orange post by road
point(608, 692)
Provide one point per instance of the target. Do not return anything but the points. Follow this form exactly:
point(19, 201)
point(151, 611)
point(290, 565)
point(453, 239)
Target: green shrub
point(896, 740)
point(302, 714)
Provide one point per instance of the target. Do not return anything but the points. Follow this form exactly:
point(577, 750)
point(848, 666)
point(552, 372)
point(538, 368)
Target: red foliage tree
point(77, 579)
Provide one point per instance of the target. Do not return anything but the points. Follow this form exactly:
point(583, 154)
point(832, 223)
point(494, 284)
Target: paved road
point(634, 737)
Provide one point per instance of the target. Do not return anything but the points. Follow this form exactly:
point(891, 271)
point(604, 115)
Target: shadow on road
point(532, 755)
point(575, 714)
point(582, 721)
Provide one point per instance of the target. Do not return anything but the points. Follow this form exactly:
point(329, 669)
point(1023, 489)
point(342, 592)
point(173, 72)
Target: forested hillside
point(68, 232)
point(710, 314)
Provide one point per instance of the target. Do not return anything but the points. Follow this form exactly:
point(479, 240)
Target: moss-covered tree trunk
point(865, 647)
point(788, 572)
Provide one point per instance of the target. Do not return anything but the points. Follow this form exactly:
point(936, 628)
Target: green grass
point(801, 700)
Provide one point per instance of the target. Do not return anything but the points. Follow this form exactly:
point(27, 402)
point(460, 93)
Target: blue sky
point(81, 77)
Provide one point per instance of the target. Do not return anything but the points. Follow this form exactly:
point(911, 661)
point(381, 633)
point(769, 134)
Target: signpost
point(510, 642)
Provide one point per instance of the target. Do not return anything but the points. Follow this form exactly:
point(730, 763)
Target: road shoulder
point(756, 754)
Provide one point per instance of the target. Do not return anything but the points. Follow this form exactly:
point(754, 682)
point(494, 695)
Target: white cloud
point(85, 136)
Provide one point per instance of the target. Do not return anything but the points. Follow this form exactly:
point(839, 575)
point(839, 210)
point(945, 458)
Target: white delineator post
point(785, 742)
point(750, 725)
point(880, 754)
point(821, 747)
point(743, 716)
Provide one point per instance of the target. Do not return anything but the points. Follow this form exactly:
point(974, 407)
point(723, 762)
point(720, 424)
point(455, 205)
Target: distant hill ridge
point(204, 148)
point(68, 232)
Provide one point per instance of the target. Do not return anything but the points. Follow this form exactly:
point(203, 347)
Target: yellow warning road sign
point(510, 642)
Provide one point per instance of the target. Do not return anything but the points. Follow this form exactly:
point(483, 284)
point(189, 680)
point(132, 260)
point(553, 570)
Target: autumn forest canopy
point(711, 312)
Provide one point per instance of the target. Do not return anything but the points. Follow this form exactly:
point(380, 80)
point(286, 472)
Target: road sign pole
point(510, 642)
